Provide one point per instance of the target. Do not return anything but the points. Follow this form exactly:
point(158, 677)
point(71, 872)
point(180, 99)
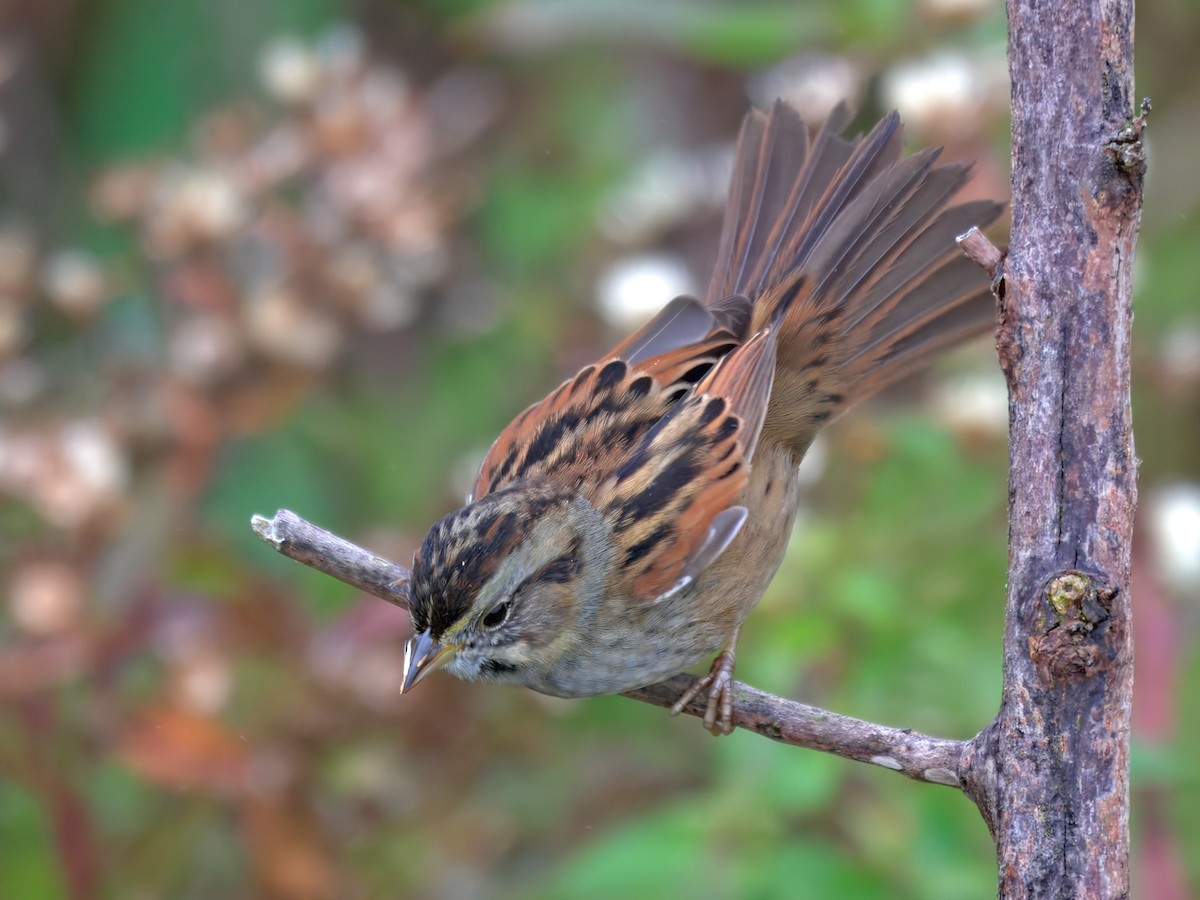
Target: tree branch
point(975, 244)
point(917, 756)
point(301, 540)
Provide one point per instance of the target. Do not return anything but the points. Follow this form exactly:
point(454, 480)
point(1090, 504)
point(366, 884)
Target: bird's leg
point(718, 717)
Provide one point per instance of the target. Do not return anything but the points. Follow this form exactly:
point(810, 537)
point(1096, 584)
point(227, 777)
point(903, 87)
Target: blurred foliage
point(315, 254)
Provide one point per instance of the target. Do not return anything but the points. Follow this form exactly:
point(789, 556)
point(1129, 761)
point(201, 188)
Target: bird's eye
point(496, 615)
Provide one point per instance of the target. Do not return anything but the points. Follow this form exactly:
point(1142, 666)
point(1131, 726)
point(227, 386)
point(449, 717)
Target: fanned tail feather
point(847, 248)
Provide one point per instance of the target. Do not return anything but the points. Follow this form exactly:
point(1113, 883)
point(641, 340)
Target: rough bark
point(1051, 773)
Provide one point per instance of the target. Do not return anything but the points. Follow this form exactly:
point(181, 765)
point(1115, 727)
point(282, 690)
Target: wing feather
point(675, 491)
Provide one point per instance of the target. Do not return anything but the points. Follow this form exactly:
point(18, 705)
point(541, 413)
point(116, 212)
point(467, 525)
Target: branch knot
point(1066, 645)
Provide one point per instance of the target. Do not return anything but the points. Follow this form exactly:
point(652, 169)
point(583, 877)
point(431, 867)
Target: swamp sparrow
point(622, 528)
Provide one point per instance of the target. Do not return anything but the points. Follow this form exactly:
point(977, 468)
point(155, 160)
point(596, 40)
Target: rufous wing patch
point(670, 500)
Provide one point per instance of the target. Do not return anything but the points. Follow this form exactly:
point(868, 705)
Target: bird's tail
point(847, 247)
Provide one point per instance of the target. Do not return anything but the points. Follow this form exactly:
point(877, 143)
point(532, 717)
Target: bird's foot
point(718, 684)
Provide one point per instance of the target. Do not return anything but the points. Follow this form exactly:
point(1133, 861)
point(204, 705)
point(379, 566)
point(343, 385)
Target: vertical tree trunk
point(1051, 773)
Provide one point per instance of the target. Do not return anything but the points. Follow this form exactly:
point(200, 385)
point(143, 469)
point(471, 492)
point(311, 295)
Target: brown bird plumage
point(621, 529)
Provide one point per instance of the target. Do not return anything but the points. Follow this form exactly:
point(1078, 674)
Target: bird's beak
point(423, 654)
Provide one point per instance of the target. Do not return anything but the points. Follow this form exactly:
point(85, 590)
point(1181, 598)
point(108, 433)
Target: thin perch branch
point(917, 756)
point(299, 539)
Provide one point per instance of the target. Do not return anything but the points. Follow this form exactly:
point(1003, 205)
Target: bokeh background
point(314, 254)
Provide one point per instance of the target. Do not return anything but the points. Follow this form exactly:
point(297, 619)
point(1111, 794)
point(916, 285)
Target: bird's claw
point(718, 684)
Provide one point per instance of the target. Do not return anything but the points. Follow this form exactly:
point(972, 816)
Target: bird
point(621, 529)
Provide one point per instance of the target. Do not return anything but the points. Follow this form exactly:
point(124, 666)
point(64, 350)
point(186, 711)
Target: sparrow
point(621, 529)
